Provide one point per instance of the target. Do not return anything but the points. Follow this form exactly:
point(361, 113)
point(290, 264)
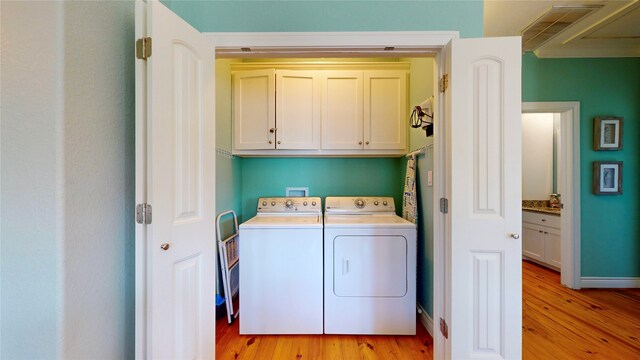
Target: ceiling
point(612, 30)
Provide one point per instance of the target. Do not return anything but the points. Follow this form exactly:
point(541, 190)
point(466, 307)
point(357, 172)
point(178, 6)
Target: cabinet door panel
point(533, 242)
point(297, 110)
point(254, 109)
point(552, 248)
point(385, 109)
point(342, 117)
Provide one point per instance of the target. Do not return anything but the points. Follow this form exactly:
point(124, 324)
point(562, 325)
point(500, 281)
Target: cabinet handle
point(270, 142)
point(272, 130)
point(540, 231)
point(544, 220)
point(279, 142)
point(359, 142)
point(546, 232)
point(514, 236)
point(366, 143)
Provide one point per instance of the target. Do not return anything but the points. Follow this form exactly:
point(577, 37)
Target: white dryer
point(370, 268)
point(281, 268)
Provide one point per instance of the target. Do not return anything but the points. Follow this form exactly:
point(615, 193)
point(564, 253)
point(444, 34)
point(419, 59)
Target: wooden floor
point(558, 323)
point(230, 345)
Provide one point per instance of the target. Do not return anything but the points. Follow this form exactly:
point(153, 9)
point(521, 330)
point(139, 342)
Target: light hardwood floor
point(230, 345)
point(558, 323)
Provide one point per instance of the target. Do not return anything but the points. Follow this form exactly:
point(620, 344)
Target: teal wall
point(324, 177)
point(467, 17)
point(610, 224)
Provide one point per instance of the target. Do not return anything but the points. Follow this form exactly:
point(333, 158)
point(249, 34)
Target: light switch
point(430, 178)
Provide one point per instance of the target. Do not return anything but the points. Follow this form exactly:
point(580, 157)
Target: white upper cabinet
point(254, 110)
point(385, 110)
point(297, 110)
point(342, 118)
point(320, 110)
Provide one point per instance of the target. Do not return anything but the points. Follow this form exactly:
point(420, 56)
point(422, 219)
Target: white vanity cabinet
point(334, 110)
point(541, 238)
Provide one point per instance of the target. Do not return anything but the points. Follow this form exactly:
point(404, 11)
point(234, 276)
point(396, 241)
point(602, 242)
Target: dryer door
point(370, 266)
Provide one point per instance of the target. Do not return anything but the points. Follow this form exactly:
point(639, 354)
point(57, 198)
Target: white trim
point(353, 40)
point(610, 282)
point(570, 149)
point(425, 319)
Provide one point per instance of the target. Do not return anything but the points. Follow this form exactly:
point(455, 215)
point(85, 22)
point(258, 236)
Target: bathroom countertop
point(543, 210)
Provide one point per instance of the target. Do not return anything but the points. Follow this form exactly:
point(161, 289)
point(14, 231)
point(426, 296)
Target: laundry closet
point(275, 131)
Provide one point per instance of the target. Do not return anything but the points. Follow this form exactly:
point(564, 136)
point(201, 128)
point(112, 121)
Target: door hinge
point(444, 83)
point(444, 328)
point(444, 205)
point(143, 48)
point(143, 214)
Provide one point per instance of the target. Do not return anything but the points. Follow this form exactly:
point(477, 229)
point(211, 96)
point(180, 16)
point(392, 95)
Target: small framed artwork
point(607, 133)
point(607, 177)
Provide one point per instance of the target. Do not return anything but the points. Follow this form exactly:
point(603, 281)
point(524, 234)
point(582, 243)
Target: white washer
point(370, 268)
point(281, 268)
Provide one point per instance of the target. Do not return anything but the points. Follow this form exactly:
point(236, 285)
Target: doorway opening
point(424, 71)
point(551, 187)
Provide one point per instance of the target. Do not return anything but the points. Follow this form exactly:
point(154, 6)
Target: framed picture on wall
point(607, 133)
point(607, 177)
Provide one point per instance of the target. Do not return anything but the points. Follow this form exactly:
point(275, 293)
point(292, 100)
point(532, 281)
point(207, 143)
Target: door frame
point(570, 150)
point(360, 44)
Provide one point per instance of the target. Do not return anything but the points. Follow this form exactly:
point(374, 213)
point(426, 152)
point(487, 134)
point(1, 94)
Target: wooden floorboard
point(231, 345)
point(558, 323)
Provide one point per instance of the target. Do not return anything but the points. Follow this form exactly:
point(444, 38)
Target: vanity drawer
point(541, 219)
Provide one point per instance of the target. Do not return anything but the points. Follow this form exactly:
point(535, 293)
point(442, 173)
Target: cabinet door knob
point(515, 236)
point(164, 247)
point(270, 142)
point(279, 142)
point(359, 142)
point(366, 143)
point(272, 130)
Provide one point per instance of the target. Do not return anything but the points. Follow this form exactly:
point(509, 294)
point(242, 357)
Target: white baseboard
point(610, 282)
point(425, 319)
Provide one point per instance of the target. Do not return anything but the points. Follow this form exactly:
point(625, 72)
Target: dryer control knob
point(385, 203)
point(288, 203)
point(264, 203)
point(360, 203)
point(305, 203)
point(313, 203)
point(376, 203)
point(273, 203)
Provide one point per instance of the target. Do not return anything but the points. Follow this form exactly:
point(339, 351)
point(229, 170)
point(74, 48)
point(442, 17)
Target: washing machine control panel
point(359, 204)
point(290, 205)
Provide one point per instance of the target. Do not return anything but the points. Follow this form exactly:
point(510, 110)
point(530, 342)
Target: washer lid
point(358, 221)
point(263, 221)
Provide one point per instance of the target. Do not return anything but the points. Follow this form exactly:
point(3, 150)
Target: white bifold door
point(482, 121)
point(175, 164)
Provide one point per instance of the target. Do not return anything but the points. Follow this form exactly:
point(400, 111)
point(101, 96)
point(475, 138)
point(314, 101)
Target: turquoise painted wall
point(324, 177)
point(467, 17)
point(609, 225)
